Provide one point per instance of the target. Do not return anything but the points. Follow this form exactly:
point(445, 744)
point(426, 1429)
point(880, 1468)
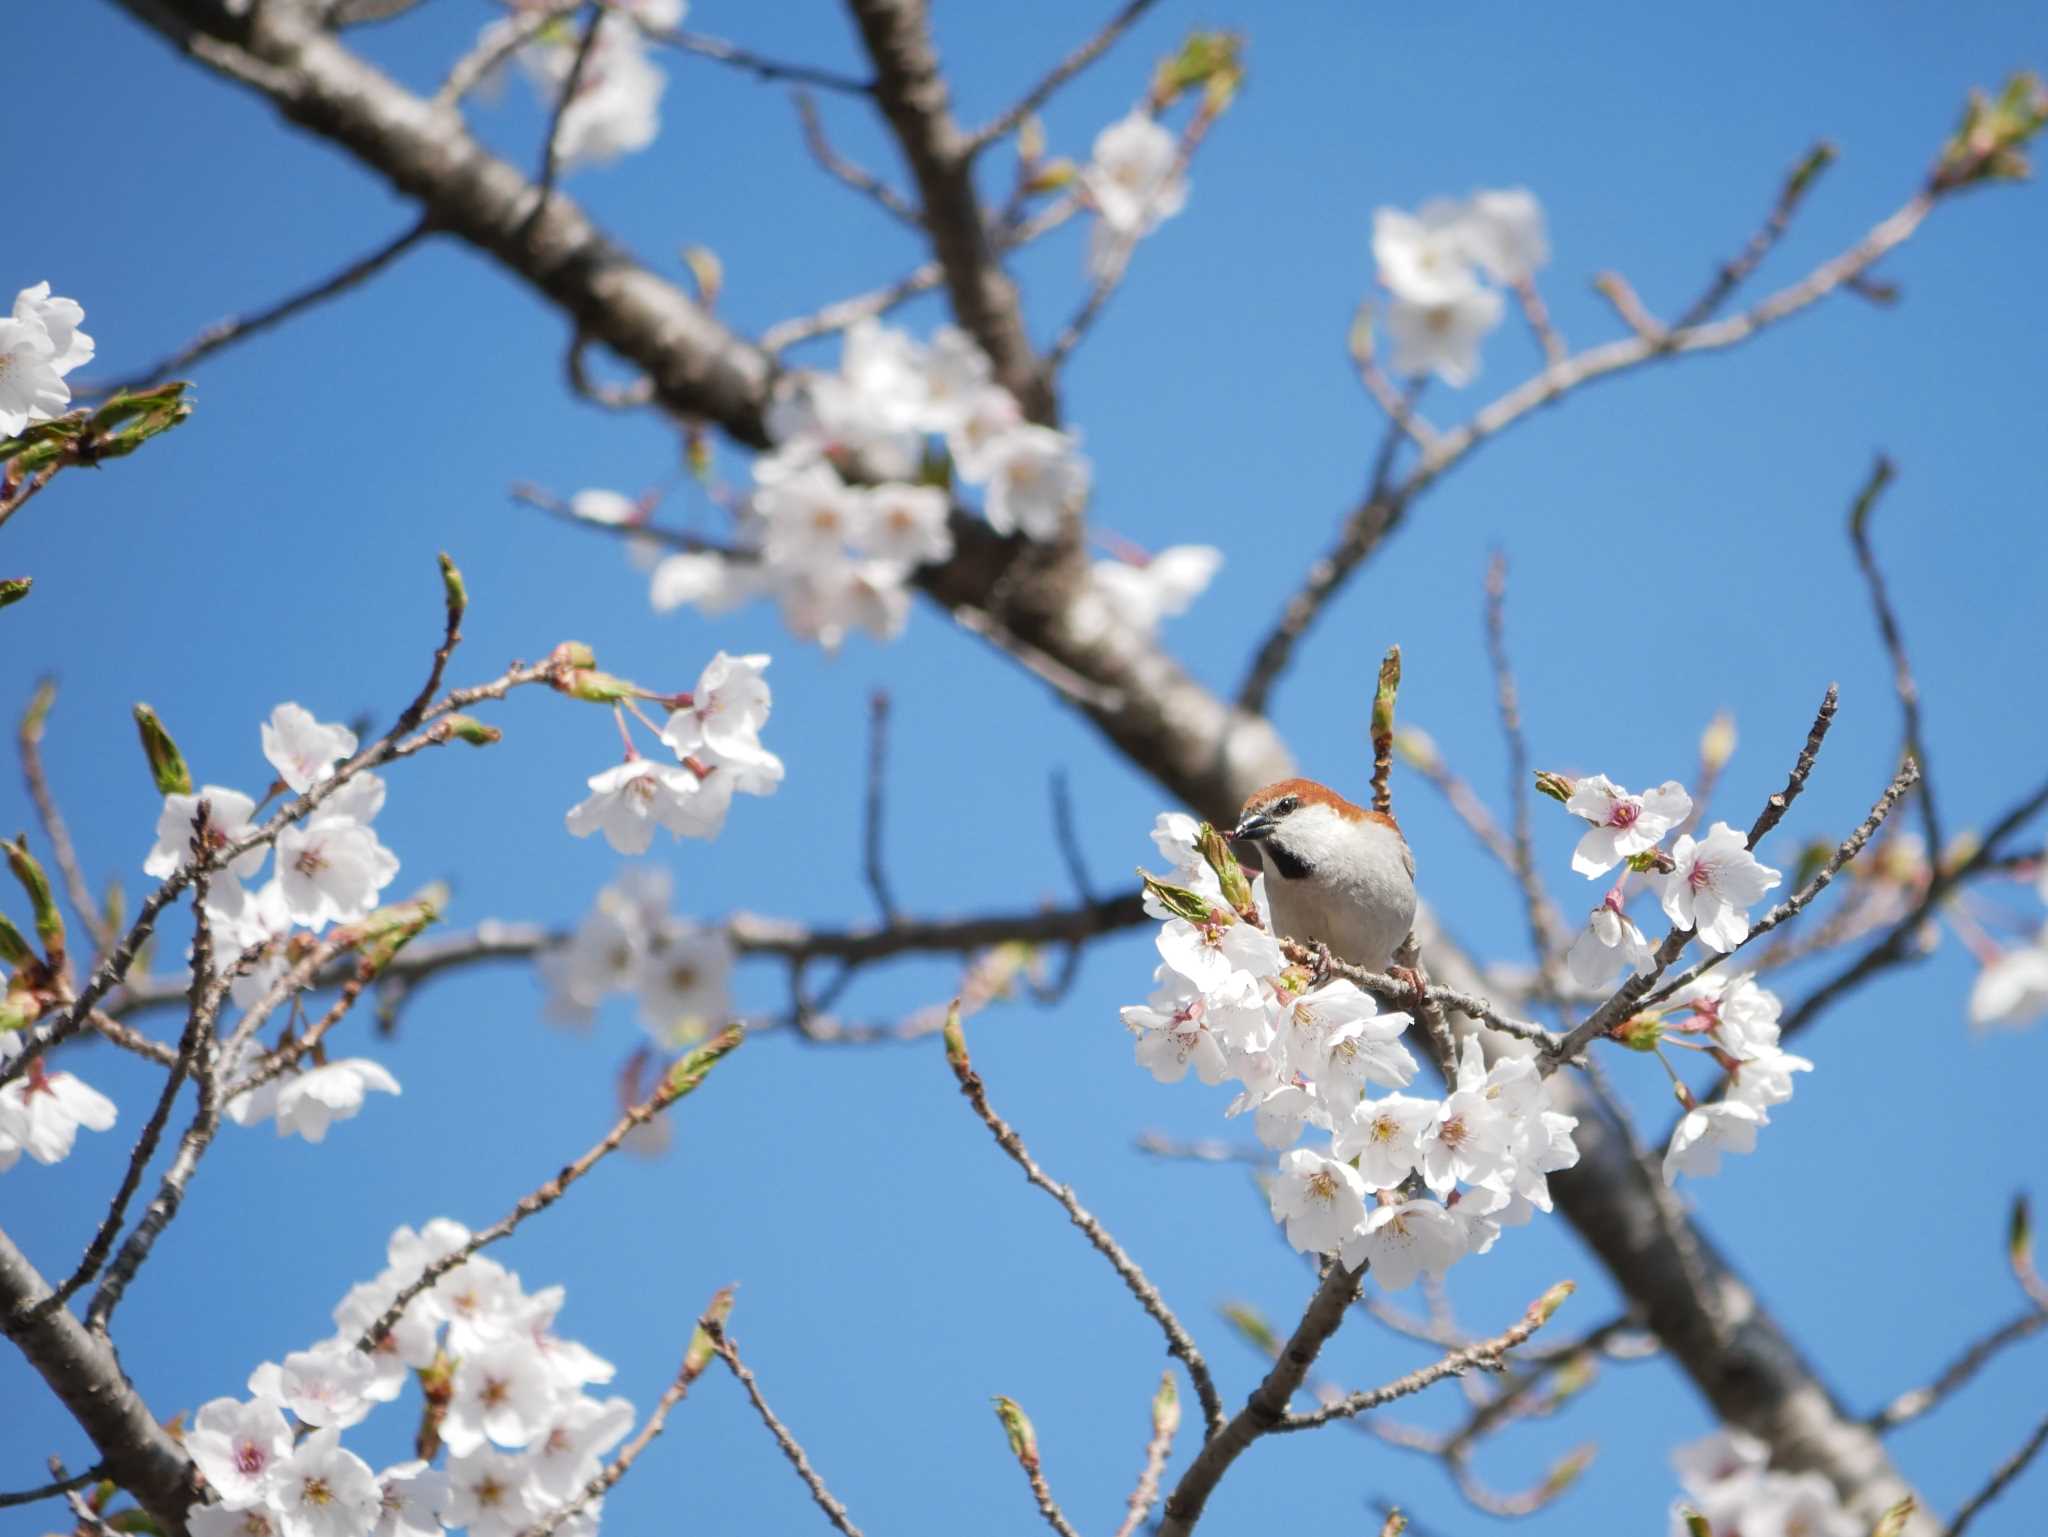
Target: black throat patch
point(1288, 864)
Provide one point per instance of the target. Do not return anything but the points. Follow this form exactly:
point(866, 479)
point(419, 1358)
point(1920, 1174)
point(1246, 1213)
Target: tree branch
point(791, 1447)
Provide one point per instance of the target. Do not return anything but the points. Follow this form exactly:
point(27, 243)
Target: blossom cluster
point(1727, 1481)
point(836, 556)
point(507, 1403)
point(1134, 180)
point(616, 105)
point(39, 344)
point(629, 942)
point(714, 731)
point(1409, 1183)
point(41, 1111)
point(1709, 887)
point(1434, 262)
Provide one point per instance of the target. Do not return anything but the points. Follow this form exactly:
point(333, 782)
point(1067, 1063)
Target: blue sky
point(1676, 548)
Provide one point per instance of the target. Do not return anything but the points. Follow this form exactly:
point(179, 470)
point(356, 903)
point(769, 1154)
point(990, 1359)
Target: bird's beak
point(1255, 826)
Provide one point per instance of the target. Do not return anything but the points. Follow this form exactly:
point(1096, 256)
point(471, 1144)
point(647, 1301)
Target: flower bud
point(956, 1039)
point(1696, 1525)
point(2019, 1240)
point(572, 653)
point(1031, 138)
point(1252, 1327)
point(467, 728)
point(14, 950)
point(594, 687)
point(1179, 901)
point(1566, 1472)
point(1052, 175)
point(49, 918)
point(1237, 891)
point(1717, 742)
point(14, 588)
point(453, 590)
point(1640, 1033)
point(1652, 859)
point(1166, 1406)
point(1557, 786)
point(1893, 1522)
point(687, 1074)
point(701, 1350)
point(1417, 748)
point(1017, 1426)
point(166, 763)
point(708, 272)
point(1545, 1307)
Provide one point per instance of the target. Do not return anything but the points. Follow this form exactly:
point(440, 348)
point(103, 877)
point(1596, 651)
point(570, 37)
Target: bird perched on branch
point(1336, 874)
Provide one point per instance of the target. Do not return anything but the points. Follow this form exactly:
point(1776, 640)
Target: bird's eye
point(1285, 806)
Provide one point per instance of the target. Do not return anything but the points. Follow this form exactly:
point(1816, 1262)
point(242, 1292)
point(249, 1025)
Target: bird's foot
point(1324, 964)
point(1411, 979)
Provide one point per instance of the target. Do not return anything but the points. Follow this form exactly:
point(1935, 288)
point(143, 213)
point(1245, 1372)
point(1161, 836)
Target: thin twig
point(1547, 935)
point(760, 66)
point(1268, 1405)
point(476, 66)
point(551, 148)
point(844, 171)
point(1369, 524)
point(1178, 1341)
point(1537, 314)
point(791, 1448)
point(1165, 1421)
point(1894, 644)
point(695, 1359)
point(1909, 1406)
point(239, 328)
point(678, 1082)
point(91, 1475)
point(1487, 1354)
point(1024, 1447)
point(1060, 74)
point(1798, 182)
point(872, 862)
point(2001, 1476)
point(62, 850)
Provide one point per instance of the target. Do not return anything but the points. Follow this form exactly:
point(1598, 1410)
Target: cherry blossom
point(1727, 1482)
point(228, 814)
point(41, 1111)
point(261, 1520)
point(683, 980)
point(2012, 989)
point(330, 869)
point(1139, 593)
point(1424, 258)
point(1404, 1240)
point(1134, 180)
point(310, 1102)
point(1708, 1131)
point(238, 1447)
point(616, 108)
point(567, 1454)
point(1609, 942)
point(322, 1386)
point(60, 319)
point(1443, 338)
point(39, 344)
point(503, 1391)
point(628, 801)
point(1715, 882)
point(705, 580)
point(1037, 480)
point(492, 1493)
point(1384, 1136)
point(904, 524)
point(956, 376)
point(723, 720)
point(1623, 824)
point(411, 1496)
point(302, 750)
point(325, 1490)
point(1173, 1034)
point(1321, 1200)
point(1503, 232)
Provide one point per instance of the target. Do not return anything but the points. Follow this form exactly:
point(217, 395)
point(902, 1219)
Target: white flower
point(238, 1447)
point(1132, 178)
point(331, 868)
point(1405, 1240)
point(1609, 942)
point(2011, 990)
point(41, 1111)
point(406, 1346)
point(302, 750)
point(683, 980)
point(491, 1492)
point(1503, 232)
point(1141, 593)
point(814, 416)
point(325, 1490)
point(1726, 1126)
point(411, 1496)
point(322, 1386)
point(1321, 1200)
point(1741, 1016)
point(1208, 953)
point(614, 509)
point(628, 801)
point(227, 820)
point(1280, 1112)
point(1037, 479)
point(1442, 338)
point(710, 582)
point(825, 599)
point(1385, 1137)
point(483, 1303)
point(885, 370)
point(313, 1100)
point(1716, 881)
point(1338, 1039)
point(1764, 1079)
point(60, 319)
point(722, 722)
point(1423, 257)
point(616, 108)
point(1468, 1138)
point(1174, 1034)
point(806, 516)
point(703, 815)
point(975, 441)
point(503, 1391)
point(570, 1364)
point(567, 1455)
point(903, 523)
point(1720, 1458)
point(1623, 824)
point(956, 373)
point(34, 359)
